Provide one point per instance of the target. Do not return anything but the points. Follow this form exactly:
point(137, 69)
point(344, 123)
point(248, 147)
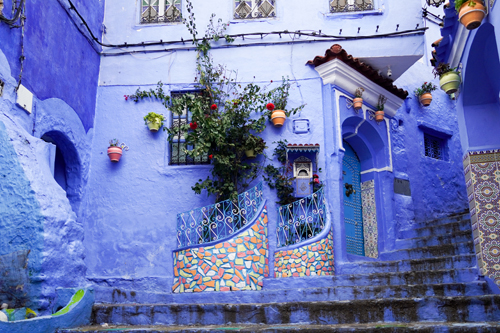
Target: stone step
point(463, 309)
point(430, 251)
point(443, 220)
point(448, 262)
point(427, 327)
point(434, 240)
point(435, 230)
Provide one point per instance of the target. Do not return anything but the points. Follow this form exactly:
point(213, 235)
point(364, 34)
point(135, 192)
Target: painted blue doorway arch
point(353, 214)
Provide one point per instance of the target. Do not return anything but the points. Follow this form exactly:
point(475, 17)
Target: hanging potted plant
point(254, 146)
point(449, 78)
point(424, 93)
point(470, 13)
point(358, 100)
point(154, 121)
point(379, 114)
point(277, 108)
point(115, 150)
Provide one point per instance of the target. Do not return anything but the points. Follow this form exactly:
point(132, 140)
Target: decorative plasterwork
point(337, 73)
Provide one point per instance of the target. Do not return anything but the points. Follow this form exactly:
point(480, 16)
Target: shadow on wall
point(66, 166)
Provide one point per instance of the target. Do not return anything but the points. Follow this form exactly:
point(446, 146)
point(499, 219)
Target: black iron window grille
point(434, 147)
point(178, 145)
point(160, 11)
point(254, 9)
point(339, 6)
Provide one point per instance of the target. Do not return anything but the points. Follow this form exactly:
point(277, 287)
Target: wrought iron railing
point(214, 222)
point(301, 220)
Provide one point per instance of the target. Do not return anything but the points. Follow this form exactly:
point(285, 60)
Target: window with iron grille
point(341, 6)
point(434, 147)
point(254, 9)
point(160, 11)
point(178, 145)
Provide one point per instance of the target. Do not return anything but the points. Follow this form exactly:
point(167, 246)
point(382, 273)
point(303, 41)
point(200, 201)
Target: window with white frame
point(342, 6)
point(160, 11)
point(254, 9)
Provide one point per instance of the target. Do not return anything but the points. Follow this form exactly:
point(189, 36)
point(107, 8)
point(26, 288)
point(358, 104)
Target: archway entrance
point(353, 210)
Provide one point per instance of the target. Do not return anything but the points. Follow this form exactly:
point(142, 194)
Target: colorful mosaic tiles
point(482, 176)
point(238, 263)
point(370, 230)
point(308, 260)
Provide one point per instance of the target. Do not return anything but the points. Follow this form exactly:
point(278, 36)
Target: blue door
point(353, 216)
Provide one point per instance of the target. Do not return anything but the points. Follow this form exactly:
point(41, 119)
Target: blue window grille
point(254, 9)
point(214, 222)
point(340, 6)
point(160, 11)
point(434, 147)
point(301, 220)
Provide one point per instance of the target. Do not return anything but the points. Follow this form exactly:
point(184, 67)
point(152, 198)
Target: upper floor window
point(160, 11)
point(254, 9)
point(339, 6)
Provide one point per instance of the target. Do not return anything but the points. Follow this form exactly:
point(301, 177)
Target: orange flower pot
point(379, 115)
point(114, 153)
point(358, 103)
point(278, 118)
point(426, 99)
point(472, 16)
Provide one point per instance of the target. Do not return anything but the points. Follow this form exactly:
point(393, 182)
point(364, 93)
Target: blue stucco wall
point(59, 60)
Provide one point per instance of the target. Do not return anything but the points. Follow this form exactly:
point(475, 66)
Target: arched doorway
point(353, 214)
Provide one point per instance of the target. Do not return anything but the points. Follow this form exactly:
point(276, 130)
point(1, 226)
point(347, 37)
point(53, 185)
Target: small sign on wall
point(24, 98)
point(402, 186)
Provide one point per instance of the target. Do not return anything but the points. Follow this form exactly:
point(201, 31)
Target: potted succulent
point(277, 108)
point(115, 150)
point(154, 121)
point(449, 78)
point(470, 13)
point(424, 93)
point(254, 146)
point(358, 100)
point(379, 114)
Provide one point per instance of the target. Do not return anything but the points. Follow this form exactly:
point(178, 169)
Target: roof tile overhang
point(337, 52)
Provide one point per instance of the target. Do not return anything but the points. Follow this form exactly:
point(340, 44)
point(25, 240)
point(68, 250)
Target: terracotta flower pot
point(450, 82)
point(358, 103)
point(472, 16)
point(278, 118)
point(250, 153)
point(426, 99)
point(379, 115)
point(114, 153)
point(154, 126)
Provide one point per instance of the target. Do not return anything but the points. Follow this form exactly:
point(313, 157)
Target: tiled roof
point(337, 52)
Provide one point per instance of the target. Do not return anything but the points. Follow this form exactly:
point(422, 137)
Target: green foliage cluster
point(226, 117)
point(279, 178)
point(427, 87)
point(443, 68)
point(381, 102)
point(359, 92)
point(153, 117)
point(459, 3)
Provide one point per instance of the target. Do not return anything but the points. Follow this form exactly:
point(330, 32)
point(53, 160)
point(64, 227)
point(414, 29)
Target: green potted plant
point(254, 146)
point(279, 177)
point(154, 121)
point(379, 114)
point(277, 112)
point(358, 100)
point(470, 13)
point(115, 150)
point(424, 93)
point(449, 78)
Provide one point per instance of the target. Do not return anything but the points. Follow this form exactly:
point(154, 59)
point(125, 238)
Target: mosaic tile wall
point(309, 260)
point(370, 230)
point(482, 176)
point(238, 263)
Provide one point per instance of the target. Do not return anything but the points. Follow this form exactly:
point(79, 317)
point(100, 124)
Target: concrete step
point(435, 230)
point(380, 279)
point(443, 220)
point(427, 327)
point(445, 250)
point(434, 240)
point(448, 262)
point(464, 309)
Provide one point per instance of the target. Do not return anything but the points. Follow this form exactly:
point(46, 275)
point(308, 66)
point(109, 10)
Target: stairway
point(428, 284)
